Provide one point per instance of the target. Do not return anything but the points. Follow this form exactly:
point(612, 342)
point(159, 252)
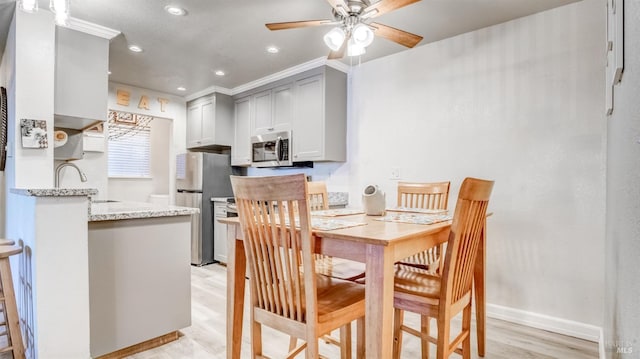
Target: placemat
point(337, 212)
point(415, 218)
point(417, 210)
point(327, 224)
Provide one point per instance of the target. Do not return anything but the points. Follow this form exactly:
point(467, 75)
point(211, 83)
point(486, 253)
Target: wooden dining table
point(378, 244)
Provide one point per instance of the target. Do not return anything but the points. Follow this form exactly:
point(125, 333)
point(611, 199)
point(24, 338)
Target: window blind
point(129, 155)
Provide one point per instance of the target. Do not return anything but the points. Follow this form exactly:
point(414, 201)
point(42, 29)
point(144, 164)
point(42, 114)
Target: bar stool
point(10, 327)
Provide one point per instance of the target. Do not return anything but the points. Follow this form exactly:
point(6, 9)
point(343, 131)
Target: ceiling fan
point(354, 30)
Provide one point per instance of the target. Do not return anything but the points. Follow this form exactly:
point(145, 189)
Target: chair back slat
point(275, 249)
point(464, 239)
point(318, 198)
point(423, 195)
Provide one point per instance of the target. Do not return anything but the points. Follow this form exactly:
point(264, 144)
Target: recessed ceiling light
point(135, 48)
point(273, 50)
point(220, 73)
point(175, 10)
point(181, 89)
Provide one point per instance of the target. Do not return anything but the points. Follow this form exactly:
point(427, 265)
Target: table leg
point(479, 284)
point(236, 270)
point(379, 302)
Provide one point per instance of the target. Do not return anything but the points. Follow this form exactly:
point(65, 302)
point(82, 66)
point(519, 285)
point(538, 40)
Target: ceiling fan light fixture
point(355, 49)
point(335, 38)
point(28, 5)
point(61, 9)
point(362, 35)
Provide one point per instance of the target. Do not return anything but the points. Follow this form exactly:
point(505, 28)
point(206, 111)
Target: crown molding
point(92, 29)
point(320, 61)
point(338, 65)
point(209, 91)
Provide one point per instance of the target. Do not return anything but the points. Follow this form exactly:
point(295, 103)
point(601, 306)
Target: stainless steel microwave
point(271, 149)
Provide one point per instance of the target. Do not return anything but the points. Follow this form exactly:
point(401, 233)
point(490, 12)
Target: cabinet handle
point(270, 129)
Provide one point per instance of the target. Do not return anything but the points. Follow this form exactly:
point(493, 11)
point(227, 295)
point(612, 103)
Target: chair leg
point(345, 341)
point(466, 328)
point(293, 341)
point(444, 328)
point(397, 332)
point(256, 339)
point(312, 351)
point(360, 335)
point(425, 330)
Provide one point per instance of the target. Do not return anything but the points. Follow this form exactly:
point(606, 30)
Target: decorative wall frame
point(615, 49)
point(34, 133)
point(3, 128)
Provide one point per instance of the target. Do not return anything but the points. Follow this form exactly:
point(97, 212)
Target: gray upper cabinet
point(320, 117)
point(241, 149)
point(272, 110)
point(261, 121)
point(210, 121)
point(81, 79)
point(282, 107)
point(312, 105)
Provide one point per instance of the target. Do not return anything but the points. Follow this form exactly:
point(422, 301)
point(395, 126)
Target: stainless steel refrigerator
point(200, 176)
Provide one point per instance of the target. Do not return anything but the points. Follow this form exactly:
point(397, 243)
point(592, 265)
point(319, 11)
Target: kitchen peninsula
point(99, 276)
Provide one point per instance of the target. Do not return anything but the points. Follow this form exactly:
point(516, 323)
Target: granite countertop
point(113, 211)
point(338, 198)
point(55, 192)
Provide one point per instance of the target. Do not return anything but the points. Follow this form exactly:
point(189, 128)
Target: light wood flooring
point(206, 336)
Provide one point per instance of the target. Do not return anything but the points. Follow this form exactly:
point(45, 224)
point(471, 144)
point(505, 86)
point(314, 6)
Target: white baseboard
point(545, 322)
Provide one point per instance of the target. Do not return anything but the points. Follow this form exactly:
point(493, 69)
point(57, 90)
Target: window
point(129, 152)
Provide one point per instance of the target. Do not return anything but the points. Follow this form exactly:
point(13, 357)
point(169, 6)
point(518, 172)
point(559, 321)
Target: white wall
point(33, 91)
point(175, 110)
point(521, 103)
point(622, 318)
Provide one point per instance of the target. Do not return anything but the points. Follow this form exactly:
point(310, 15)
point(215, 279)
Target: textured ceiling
point(230, 35)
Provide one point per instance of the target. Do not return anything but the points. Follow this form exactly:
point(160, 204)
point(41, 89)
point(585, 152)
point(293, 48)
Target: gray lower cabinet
point(219, 232)
point(139, 280)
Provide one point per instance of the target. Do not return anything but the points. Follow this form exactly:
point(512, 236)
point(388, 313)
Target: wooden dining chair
point(434, 196)
point(286, 292)
point(443, 297)
point(331, 266)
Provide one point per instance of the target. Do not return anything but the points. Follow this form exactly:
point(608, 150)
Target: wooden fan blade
point(391, 33)
point(384, 6)
point(335, 55)
point(340, 6)
point(297, 24)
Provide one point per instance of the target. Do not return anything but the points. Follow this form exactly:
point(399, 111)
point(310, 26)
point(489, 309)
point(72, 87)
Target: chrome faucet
point(83, 177)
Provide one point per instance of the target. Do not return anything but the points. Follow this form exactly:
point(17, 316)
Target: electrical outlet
point(395, 173)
